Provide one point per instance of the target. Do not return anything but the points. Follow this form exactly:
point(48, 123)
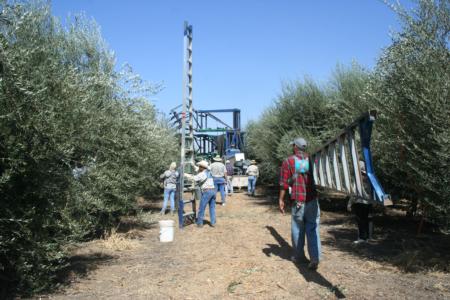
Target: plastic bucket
point(166, 230)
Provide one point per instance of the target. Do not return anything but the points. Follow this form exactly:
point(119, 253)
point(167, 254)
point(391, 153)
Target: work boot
point(299, 259)
point(359, 241)
point(313, 265)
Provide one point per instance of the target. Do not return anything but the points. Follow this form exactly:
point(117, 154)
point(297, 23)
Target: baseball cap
point(299, 142)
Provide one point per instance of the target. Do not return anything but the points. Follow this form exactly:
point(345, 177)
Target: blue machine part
point(365, 127)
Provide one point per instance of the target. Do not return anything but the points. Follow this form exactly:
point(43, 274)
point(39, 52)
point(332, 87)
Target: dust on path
point(246, 256)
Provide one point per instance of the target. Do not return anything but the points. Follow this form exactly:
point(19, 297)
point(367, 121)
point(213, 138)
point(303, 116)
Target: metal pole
point(183, 133)
point(187, 141)
point(191, 108)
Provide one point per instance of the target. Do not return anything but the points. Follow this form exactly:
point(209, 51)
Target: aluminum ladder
point(187, 160)
point(335, 165)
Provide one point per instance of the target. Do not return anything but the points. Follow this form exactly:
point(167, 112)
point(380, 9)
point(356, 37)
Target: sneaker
point(359, 241)
point(313, 265)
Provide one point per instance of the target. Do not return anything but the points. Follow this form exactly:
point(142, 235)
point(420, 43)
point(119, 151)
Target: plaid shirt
point(303, 188)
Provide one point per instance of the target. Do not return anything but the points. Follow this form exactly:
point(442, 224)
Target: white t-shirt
point(218, 169)
point(253, 171)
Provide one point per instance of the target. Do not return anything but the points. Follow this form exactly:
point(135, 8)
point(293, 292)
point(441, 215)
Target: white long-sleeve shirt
point(200, 177)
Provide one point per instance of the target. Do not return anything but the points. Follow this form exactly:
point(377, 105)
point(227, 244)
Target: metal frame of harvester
point(334, 165)
point(210, 141)
point(198, 140)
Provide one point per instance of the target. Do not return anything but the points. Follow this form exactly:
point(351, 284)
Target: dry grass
point(119, 242)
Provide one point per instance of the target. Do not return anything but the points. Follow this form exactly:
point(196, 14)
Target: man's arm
point(284, 176)
point(199, 177)
point(281, 202)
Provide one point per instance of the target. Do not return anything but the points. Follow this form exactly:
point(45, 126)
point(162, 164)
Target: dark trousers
point(362, 211)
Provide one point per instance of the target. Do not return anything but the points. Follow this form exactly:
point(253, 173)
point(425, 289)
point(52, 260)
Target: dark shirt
point(230, 169)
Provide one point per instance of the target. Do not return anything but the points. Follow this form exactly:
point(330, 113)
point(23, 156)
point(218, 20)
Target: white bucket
point(166, 230)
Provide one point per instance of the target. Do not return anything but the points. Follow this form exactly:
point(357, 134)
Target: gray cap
point(299, 142)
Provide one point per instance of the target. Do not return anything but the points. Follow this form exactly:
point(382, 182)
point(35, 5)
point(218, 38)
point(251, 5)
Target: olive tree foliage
point(411, 90)
point(78, 140)
point(307, 109)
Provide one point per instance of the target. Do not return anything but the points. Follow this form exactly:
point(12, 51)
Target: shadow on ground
point(81, 265)
point(395, 242)
point(284, 251)
point(395, 239)
point(127, 224)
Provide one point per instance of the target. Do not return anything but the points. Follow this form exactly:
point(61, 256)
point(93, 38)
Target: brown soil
point(246, 256)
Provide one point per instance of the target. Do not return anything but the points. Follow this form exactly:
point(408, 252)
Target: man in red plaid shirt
point(296, 173)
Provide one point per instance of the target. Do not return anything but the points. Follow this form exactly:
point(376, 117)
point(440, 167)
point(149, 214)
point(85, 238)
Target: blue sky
point(242, 49)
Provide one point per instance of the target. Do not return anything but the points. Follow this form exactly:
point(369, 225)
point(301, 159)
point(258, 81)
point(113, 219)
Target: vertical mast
point(187, 151)
point(190, 140)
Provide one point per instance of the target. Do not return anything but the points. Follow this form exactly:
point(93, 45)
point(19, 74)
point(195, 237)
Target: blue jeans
point(305, 220)
point(251, 185)
point(168, 193)
point(208, 197)
point(219, 184)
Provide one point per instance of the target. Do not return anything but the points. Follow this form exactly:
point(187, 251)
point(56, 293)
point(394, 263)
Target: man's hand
point(281, 205)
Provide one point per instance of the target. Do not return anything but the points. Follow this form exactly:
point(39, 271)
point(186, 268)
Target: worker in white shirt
point(205, 180)
point(253, 174)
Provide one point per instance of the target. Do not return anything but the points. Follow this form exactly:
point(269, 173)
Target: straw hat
point(217, 158)
point(203, 163)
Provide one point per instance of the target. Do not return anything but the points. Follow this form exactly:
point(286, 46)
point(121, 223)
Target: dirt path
point(247, 257)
